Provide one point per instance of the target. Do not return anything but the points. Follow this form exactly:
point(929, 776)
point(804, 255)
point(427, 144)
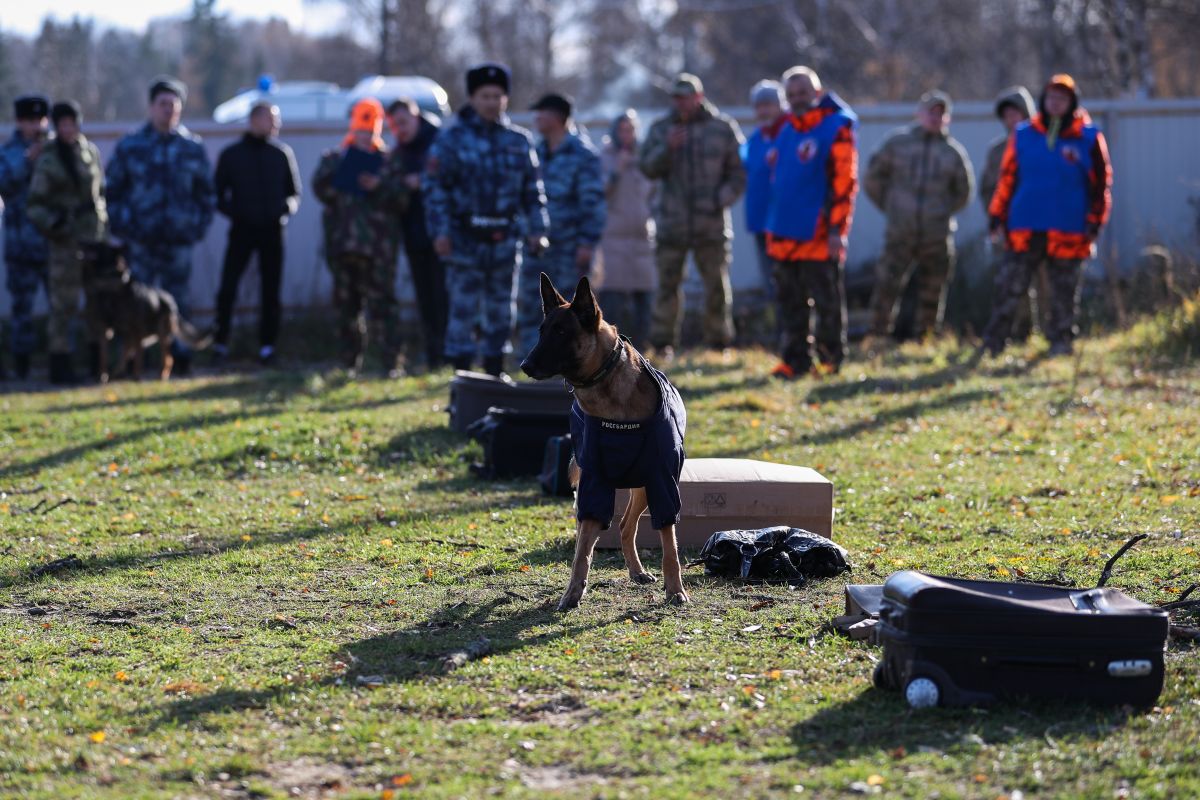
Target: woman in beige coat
point(625, 270)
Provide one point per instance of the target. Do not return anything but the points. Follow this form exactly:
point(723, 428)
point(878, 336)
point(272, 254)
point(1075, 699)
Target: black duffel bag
point(773, 554)
point(514, 442)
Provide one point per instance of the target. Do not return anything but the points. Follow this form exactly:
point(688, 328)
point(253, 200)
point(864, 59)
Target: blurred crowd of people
point(481, 207)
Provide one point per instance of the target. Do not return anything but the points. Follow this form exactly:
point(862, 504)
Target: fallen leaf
point(385, 542)
point(402, 780)
point(875, 780)
point(97, 737)
point(121, 675)
point(751, 628)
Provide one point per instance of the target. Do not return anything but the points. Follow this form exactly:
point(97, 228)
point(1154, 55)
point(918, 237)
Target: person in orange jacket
point(1053, 197)
point(814, 163)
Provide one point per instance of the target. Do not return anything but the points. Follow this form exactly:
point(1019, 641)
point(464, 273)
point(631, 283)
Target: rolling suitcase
point(956, 642)
point(473, 393)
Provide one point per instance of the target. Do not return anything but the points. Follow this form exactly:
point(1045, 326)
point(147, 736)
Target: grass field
point(273, 568)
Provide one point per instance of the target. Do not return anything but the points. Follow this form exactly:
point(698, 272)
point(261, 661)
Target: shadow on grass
point(949, 374)
point(271, 388)
point(879, 721)
point(414, 653)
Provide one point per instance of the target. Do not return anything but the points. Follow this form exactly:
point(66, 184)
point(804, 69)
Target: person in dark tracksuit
point(258, 188)
point(414, 135)
point(25, 249)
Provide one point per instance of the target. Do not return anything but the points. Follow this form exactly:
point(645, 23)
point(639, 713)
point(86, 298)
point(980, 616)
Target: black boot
point(94, 359)
point(462, 363)
point(21, 366)
point(61, 371)
point(494, 365)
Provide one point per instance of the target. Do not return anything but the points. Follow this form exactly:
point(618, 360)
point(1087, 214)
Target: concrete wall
point(1155, 158)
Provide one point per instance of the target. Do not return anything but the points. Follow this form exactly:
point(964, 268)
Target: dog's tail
point(190, 335)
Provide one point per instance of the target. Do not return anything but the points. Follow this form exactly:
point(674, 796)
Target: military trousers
point(22, 279)
point(364, 296)
point(65, 286)
point(479, 280)
point(931, 262)
point(559, 263)
point(1012, 290)
point(712, 261)
point(169, 267)
point(804, 289)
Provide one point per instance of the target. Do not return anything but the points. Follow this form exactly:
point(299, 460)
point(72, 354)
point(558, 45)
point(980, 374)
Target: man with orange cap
point(1053, 197)
point(364, 195)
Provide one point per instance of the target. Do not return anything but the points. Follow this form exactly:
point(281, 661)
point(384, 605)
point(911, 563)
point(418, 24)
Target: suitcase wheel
point(922, 693)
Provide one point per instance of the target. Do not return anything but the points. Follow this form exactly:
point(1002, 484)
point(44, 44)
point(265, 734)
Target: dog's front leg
point(586, 534)
point(672, 573)
point(629, 526)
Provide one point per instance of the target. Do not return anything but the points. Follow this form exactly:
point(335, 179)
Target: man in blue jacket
point(768, 101)
point(25, 251)
point(161, 198)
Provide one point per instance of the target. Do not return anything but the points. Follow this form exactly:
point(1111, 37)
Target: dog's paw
point(571, 598)
point(678, 598)
point(644, 578)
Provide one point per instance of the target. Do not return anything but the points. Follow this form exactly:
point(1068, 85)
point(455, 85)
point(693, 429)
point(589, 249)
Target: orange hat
point(366, 115)
point(1065, 81)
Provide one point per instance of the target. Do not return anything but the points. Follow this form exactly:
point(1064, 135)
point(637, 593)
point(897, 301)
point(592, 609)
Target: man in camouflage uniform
point(695, 154)
point(1014, 105)
point(920, 177)
point(161, 199)
point(362, 238)
point(483, 196)
point(66, 205)
point(25, 251)
point(574, 184)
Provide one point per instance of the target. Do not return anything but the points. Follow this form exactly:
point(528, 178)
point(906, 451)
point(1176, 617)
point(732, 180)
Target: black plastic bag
point(773, 554)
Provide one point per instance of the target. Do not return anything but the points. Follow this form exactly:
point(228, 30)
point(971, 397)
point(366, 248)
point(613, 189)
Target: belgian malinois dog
point(138, 315)
point(627, 427)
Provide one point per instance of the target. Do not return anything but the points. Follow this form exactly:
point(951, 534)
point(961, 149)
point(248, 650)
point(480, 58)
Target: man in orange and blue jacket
point(814, 181)
point(1053, 197)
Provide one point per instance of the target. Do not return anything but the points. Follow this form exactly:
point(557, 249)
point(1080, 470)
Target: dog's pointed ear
point(585, 306)
point(551, 299)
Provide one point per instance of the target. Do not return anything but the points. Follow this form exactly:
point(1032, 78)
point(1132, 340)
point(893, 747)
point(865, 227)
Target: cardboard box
point(473, 393)
point(721, 494)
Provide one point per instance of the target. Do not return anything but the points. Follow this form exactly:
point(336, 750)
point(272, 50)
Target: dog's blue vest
point(626, 455)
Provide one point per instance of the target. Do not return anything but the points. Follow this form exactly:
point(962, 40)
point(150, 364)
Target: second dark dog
point(136, 314)
point(627, 427)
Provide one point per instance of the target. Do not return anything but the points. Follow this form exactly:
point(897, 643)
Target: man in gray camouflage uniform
point(484, 205)
point(574, 184)
point(161, 199)
point(25, 251)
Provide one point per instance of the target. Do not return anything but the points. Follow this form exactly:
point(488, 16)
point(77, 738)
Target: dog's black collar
point(614, 358)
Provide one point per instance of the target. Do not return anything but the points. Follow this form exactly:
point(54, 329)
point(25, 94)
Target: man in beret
point(484, 206)
point(572, 175)
point(920, 177)
point(161, 199)
point(694, 154)
point(25, 251)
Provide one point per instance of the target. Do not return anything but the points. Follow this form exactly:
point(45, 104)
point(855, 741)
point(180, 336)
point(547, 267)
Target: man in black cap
point(25, 251)
point(574, 184)
point(161, 198)
point(484, 196)
point(258, 189)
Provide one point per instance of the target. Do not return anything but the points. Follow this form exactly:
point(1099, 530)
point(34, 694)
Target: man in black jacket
point(414, 133)
point(258, 188)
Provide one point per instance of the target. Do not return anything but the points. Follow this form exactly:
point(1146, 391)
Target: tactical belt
point(487, 227)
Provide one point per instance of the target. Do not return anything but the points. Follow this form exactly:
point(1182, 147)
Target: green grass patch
point(272, 568)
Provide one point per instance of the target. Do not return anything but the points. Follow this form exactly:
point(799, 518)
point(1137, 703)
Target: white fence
point(1156, 165)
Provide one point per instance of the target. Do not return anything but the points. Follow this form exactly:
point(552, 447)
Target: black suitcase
point(955, 642)
point(555, 475)
point(515, 441)
point(473, 393)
